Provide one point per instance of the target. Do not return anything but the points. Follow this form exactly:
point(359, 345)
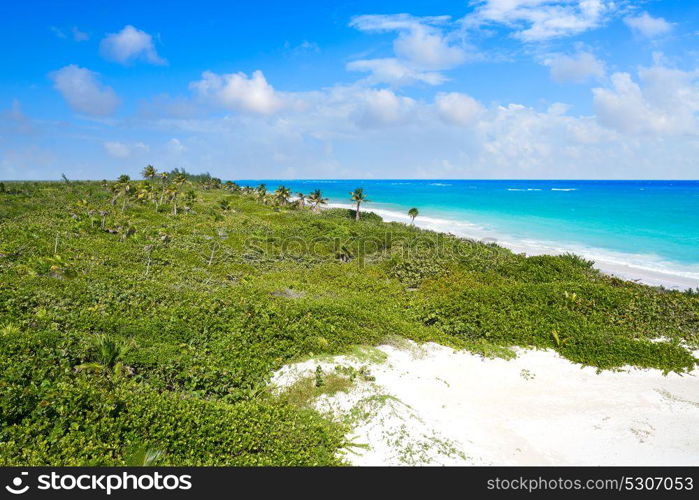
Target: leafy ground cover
point(153, 313)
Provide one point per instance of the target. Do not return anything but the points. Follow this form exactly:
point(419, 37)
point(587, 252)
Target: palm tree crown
point(149, 172)
point(413, 212)
point(316, 200)
point(282, 194)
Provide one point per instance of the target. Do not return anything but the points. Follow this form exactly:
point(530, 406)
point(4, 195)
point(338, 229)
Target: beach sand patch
point(432, 405)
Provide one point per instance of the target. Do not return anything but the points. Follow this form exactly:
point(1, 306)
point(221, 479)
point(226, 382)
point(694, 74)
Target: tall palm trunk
point(356, 215)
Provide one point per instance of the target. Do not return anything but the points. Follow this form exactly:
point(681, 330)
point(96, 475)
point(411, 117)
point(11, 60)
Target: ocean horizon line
point(453, 179)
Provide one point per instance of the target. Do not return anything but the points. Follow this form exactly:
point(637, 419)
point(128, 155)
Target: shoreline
point(613, 263)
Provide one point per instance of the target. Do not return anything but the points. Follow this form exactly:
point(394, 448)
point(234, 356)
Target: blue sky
point(439, 89)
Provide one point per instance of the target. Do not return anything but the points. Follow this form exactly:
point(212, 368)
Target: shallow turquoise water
point(651, 222)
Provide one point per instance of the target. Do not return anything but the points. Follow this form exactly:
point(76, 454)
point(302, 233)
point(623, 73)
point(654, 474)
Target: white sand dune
point(431, 404)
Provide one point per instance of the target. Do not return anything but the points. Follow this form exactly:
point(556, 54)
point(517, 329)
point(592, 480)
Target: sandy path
point(434, 405)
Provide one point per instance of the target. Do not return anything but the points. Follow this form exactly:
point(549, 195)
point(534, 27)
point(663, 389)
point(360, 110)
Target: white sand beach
point(432, 405)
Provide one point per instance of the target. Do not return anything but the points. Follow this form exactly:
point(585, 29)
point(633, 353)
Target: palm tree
point(316, 200)
point(114, 189)
point(172, 191)
point(301, 199)
point(282, 195)
point(413, 212)
point(149, 172)
point(261, 193)
point(146, 193)
point(190, 198)
point(121, 188)
point(358, 197)
point(180, 179)
point(108, 355)
point(163, 181)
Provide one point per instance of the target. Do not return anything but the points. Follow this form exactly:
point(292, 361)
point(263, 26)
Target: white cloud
point(128, 45)
point(175, 146)
point(121, 150)
point(538, 20)
point(378, 108)
point(458, 109)
point(577, 68)
point(393, 71)
point(421, 49)
point(82, 90)
point(304, 47)
point(426, 48)
point(236, 91)
point(665, 102)
point(14, 120)
point(117, 149)
point(648, 26)
point(58, 32)
point(79, 36)
point(354, 131)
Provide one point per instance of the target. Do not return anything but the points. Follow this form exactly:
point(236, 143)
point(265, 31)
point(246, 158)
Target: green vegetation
point(140, 321)
point(305, 390)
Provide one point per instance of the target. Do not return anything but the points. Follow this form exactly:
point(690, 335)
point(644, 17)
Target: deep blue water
point(653, 223)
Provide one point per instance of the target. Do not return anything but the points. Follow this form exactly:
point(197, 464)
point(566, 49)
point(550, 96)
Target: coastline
point(613, 263)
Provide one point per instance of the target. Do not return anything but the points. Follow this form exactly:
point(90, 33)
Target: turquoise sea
point(650, 225)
